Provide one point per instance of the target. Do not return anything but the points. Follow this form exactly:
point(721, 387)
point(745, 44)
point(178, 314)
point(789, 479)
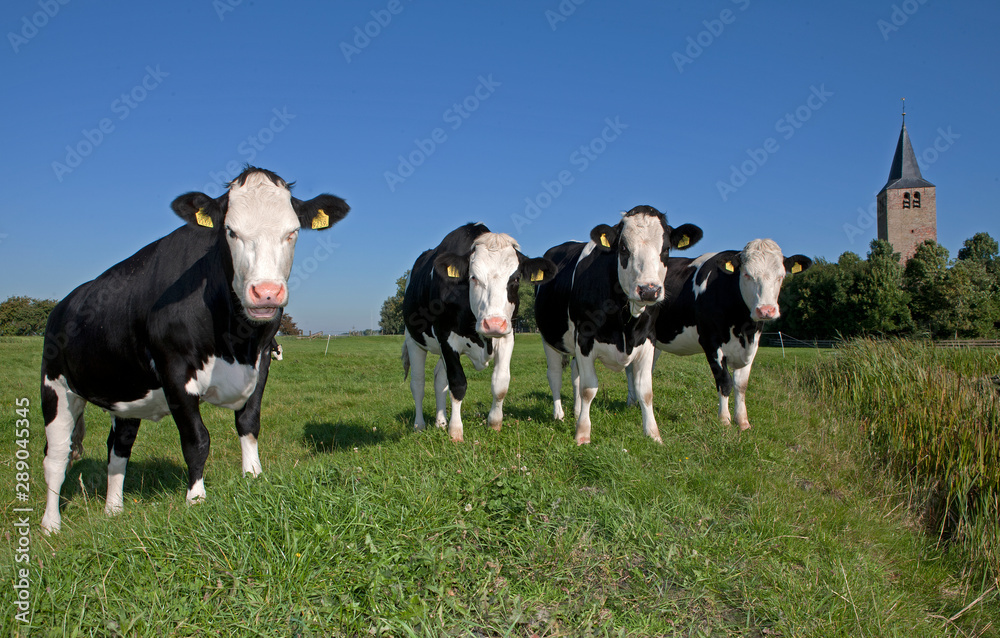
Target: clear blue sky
point(665, 99)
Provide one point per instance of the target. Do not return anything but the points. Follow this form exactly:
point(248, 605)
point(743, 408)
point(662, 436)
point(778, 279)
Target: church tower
point(907, 204)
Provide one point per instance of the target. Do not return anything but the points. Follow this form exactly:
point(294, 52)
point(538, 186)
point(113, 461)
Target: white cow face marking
point(261, 230)
point(643, 241)
point(762, 270)
point(494, 267)
point(493, 270)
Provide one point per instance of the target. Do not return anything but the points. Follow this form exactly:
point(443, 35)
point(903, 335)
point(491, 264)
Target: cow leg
point(574, 375)
point(248, 420)
point(63, 413)
point(586, 381)
point(440, 394)
point(723, 381)
point(553, 364)
point(457, 385)
point(120, 441)
point(741, 376)
point(642, 366)
point(503, 347)
point(632, 397)
point(195, 439)
point(418, 361)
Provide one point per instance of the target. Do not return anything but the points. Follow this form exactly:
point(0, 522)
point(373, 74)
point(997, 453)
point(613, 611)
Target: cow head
point(761, 269)
point(259, 221)
point(493, 270)
point(643, 241)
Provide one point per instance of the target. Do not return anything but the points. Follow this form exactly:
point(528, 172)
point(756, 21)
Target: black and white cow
point(717, 304)
point(461, 298)
point(602, 305)
point(184, 320)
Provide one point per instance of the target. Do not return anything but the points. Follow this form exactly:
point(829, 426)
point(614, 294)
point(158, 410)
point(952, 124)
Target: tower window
point(906, 200)
point(916, 200)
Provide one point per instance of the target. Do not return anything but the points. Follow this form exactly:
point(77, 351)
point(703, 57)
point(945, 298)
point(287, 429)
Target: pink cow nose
point(494, 327)
point(267, 294)
point(767, 312)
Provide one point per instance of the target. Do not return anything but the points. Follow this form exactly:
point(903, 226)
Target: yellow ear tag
point(321, 220)
point(683, 243)
point(453, 272)
point(604, 241)
point(203, 219)
point(729, 266)
point(796, 268)
point(538, 276)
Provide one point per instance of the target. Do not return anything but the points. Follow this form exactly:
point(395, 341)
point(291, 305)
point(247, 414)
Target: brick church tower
point(907, 207)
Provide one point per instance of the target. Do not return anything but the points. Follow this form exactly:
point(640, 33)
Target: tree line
point(25, 316)
point(931, 296)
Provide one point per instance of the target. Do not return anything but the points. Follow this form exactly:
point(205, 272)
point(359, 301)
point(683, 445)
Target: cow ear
point(320, 212)
point(797, 263)
point(451, 267)
point(604, 236)
point(729, 264)
point(198, 209)
point(685, 236)
point(538, 271)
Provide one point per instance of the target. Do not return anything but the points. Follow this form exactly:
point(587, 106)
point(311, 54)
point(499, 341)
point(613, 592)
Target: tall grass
point(931, 417)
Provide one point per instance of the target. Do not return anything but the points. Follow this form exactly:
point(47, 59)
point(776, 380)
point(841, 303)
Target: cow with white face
point(603, 304)
point(461, 298)
point(717, 304)
point(189, 318)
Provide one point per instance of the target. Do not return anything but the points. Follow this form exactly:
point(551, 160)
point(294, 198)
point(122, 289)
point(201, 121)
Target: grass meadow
point(360, 526)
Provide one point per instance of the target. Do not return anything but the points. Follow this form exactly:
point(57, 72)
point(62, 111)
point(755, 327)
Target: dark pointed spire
point(905, 172)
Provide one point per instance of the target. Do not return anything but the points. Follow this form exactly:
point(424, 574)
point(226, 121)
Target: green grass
point(360, 526)
point(932, 417)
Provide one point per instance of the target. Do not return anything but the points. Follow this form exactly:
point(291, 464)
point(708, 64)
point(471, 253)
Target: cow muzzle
point(648, 292)
point(265, 299)
point(494, 327)
point(766, 313)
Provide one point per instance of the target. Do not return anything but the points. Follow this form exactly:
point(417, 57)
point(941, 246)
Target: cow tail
point(406, 361)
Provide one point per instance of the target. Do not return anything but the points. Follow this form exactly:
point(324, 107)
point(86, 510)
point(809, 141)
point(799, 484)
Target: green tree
point(884, 302)
point(288, 326)
point(25, 315)
point(391, 315)
point(526, 309)
point(974, 300)
point(926, 280)
point(980, 247)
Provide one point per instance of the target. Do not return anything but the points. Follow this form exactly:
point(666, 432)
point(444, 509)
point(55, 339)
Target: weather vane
point(904, 110)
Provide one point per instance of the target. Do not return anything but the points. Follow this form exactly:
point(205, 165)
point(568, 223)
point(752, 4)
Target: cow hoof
point(418, 427)
point(745, 426)
point(441, 423)
point(113, 510)
point(457, 439)
point(49, 527)
point(583, 440)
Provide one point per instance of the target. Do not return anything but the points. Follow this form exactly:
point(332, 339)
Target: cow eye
point(292, 235)
point(232, 233)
